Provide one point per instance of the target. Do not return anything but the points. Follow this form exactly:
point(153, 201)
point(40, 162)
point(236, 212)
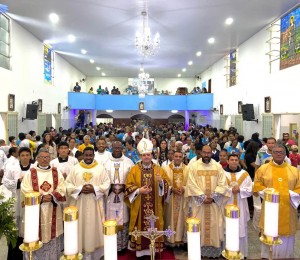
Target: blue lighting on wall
point(131, 102)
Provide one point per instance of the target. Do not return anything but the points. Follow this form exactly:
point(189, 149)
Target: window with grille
point(4, 42)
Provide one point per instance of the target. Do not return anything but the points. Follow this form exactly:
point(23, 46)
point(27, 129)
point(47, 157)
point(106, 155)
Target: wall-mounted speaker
point(31, 111)
point(248, 112)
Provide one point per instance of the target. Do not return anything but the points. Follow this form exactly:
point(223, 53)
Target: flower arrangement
point(8, 226)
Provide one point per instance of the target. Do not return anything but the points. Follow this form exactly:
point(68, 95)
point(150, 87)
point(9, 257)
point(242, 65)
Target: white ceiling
point(106, 29)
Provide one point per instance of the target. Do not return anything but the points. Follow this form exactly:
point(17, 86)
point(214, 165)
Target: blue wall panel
point(200, 101)
point(131, 102)
point(81, 100)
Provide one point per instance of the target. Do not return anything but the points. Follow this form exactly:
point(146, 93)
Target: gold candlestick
point(232, 212)
point(273, 196)
point(31, 199)
point(30, 247)
point(71, 214)
point(72, 257)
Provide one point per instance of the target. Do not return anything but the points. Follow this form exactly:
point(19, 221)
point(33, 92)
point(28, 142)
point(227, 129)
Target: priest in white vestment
point(117, 166)
point(102, 154)
point(205, 190)
point(14, 171)
point(64, 163)
point(49, 182)
point(240, 188)
point(88, 185)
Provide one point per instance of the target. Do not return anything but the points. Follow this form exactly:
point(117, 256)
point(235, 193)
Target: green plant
point(8, 226)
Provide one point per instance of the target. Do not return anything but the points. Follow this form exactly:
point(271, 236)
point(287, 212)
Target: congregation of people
point(130, 90)
point(128, 173)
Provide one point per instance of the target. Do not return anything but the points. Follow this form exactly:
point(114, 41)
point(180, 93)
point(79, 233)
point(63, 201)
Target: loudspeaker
point(248, 112)
point(31, 111)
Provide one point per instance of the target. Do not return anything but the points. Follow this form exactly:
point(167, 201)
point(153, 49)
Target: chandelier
point(142, 86)
point(143, 40)
point(144, 76)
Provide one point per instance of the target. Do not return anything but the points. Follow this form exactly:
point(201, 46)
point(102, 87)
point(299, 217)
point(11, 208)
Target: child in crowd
point(294, 156)
point(223, 156)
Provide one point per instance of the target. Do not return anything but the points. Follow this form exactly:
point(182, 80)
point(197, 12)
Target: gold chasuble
point(283, 178)
point(209, 180)
point(174, 215)
point(144, 205)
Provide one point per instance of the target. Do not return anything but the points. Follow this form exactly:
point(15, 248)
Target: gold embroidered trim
point(92, 165)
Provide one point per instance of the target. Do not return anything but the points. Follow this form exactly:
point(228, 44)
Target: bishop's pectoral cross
point(152, 233)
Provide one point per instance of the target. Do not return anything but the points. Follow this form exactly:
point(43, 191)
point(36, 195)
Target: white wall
point(26, 78)
point(170, 84)
point(254, 82)
point(285, 121)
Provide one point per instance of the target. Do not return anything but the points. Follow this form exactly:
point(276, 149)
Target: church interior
point(221, 63)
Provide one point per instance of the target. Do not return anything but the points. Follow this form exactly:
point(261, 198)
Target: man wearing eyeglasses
point(49, 182)
point(205, 190)
point(263, 155)
point(283, 177)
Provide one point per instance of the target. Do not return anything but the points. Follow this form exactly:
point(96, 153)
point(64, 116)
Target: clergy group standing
point(108, 185)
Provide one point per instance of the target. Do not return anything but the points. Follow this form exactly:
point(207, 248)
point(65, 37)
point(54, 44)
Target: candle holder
point(193, 237)
point(31, 239)
point(72, 257)
point(232, 215)
point(271, 210)
point(30, 247)
point(70, 217)
point(110, 240)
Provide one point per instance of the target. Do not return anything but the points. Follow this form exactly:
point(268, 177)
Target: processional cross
point(152, 234)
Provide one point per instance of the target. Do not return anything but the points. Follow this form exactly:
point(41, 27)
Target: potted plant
point(8, 228)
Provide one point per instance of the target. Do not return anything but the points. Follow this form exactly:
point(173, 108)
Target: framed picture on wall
point(59, 108)
point(40, 105)
point(221, 109)
point(11, 102)
point(267, 104)
point(240, 103)
point(141, 106)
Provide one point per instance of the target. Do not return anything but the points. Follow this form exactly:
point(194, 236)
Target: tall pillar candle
point(32, 216)
point(110, 240)
point(232, 216)
point(70, 231)
point(271, 212)
point(193, 239)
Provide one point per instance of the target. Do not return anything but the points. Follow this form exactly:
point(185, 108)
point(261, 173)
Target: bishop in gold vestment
point(146, 189)
point(283, 177)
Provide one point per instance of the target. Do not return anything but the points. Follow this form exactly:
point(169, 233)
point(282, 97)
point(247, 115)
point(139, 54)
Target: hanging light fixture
point(143, 77)
point(143, 40)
